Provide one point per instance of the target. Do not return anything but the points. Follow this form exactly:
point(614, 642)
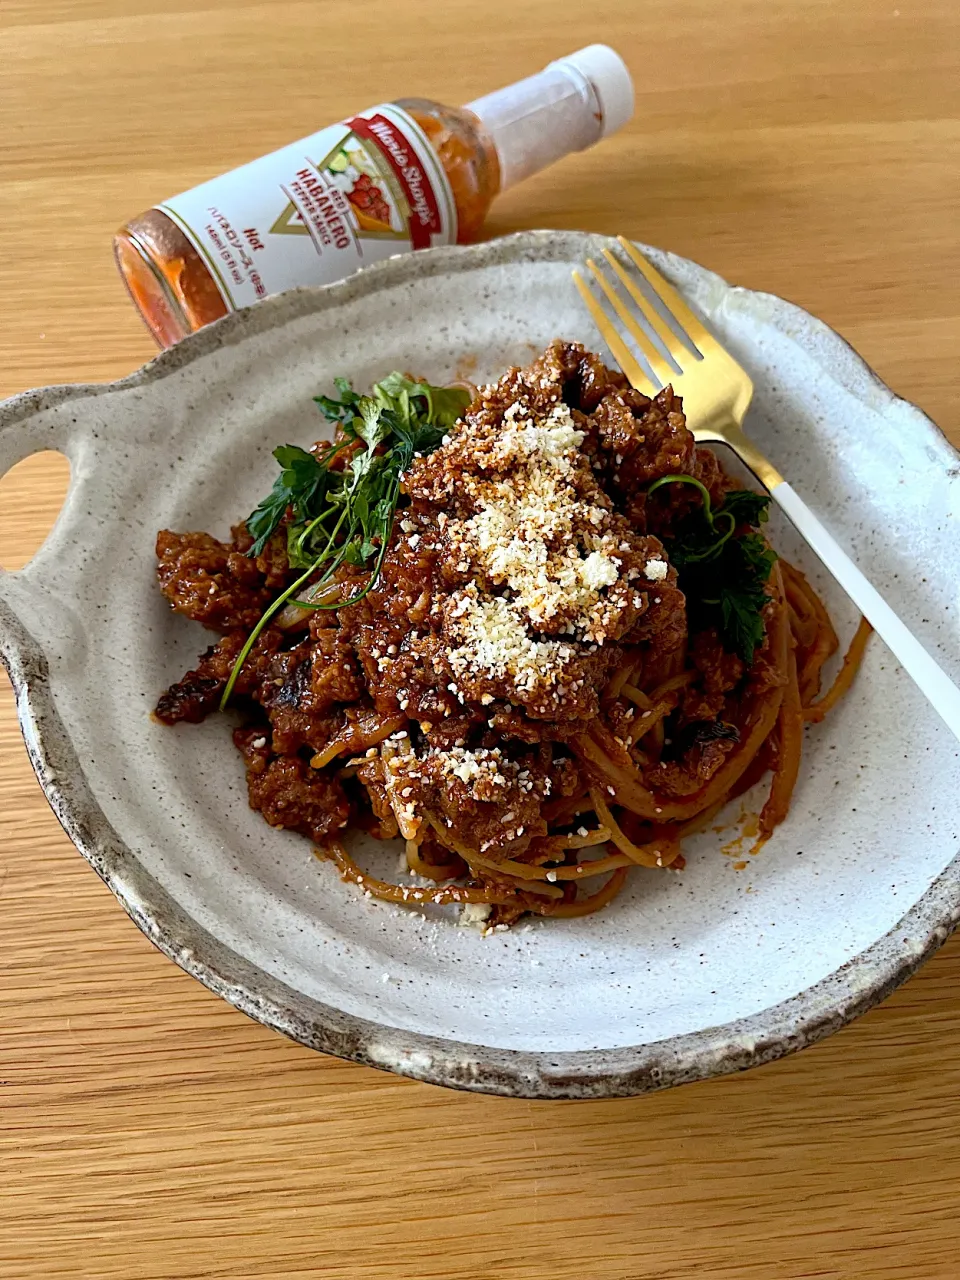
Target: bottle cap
point(570, 105)
point(612, 83)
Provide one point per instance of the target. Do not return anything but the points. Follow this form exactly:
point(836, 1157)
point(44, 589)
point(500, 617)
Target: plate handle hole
point(31, 495)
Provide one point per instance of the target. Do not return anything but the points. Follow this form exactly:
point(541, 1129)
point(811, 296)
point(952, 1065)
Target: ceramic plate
point(687, 975)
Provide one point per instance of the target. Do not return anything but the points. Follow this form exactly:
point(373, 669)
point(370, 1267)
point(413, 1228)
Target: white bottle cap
point(607, 72)
point(570, 105)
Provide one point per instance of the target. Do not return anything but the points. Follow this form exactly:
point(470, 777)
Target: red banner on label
point(425, 220)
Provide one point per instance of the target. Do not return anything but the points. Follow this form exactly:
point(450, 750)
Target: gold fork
point(716, 393)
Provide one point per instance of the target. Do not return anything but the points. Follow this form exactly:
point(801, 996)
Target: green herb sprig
point(723, 574)
point(345, 515)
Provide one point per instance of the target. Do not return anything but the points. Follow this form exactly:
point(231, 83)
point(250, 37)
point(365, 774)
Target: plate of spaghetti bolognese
point(559, 768)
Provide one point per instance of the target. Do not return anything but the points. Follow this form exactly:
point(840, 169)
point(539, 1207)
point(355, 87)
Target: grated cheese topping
point(533, 532)
point(540, 548)
point(494, 638)
point(536, 569)
point(475, 914)
point(469, 766)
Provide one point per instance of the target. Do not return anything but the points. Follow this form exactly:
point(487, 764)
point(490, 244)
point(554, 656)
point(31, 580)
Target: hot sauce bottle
point(406, 175)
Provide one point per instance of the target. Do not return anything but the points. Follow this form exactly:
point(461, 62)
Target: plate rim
point(771, 1033)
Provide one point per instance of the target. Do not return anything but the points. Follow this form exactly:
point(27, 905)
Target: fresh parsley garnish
point(344, 515)
point(418, 403)
point(723, 568)
point(297, 488)
point(342, 410)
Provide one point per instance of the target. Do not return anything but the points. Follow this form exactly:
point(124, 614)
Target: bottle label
point(313, 212)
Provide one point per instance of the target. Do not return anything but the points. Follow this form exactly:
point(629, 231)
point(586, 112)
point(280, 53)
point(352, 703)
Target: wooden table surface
point(147, 1130)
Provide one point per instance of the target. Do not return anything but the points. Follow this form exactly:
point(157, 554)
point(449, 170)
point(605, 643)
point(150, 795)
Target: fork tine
point(656, 361)
point(621, 353)
point(700, 336)
point(679, 350)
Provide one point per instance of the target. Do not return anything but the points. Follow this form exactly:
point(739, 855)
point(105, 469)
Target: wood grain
point(808, 147)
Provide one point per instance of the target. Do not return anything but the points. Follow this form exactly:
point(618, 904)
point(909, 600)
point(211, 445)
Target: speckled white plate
point(686, 975)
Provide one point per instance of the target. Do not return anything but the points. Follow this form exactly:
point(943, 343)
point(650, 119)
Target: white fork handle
point(943, 694)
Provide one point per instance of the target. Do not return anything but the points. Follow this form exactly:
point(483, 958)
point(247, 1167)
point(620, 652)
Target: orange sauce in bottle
point(194, 259)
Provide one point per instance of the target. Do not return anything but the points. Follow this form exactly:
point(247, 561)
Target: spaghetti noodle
point(565, 662)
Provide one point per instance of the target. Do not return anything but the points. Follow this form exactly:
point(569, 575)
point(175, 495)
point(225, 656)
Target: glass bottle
point(405, 175)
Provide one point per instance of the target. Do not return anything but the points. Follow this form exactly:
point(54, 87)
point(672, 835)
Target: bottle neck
point(539, 120)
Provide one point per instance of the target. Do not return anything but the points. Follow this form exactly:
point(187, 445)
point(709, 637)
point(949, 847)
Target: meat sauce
point(482, 752)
